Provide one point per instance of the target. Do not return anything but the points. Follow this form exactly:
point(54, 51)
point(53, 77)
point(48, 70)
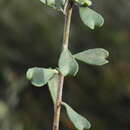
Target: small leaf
point(39, 76)
point(84, 3)
point(93, 56)
point(53, 86)
point(55, 4)
point(90, 18)
point(78, 121)
point(67, 63)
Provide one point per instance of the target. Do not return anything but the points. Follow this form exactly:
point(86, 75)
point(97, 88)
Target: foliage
point(67, 63)
point(93, 56)
point(91, 18)
point(40, 76)
point(29, 30)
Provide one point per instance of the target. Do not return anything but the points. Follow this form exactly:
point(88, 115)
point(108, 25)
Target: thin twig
point(57, 108)
point(68, 14)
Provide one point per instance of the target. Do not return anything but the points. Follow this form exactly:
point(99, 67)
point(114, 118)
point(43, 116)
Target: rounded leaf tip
point(29, 74)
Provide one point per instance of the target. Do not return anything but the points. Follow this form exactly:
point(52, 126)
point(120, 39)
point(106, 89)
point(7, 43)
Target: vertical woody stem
point(57, 108)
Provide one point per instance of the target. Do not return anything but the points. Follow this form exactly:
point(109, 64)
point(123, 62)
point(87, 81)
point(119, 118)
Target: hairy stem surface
point(57, 107)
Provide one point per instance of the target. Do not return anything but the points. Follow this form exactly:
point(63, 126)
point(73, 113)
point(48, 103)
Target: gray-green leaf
point(53, 86)
point(84, 2)
point(55, 4)
point(67, 63)
point(93, 56)
point(90, 18)
point(78, 121)
point(39, 76)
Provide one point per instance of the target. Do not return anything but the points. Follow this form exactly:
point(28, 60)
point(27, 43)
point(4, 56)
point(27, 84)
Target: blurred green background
point(31, 35)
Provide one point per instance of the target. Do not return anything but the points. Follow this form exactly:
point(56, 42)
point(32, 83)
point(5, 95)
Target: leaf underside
point(78, 121)
point(90, 18)
point(55, 4)
point(93, 56)
point(53, 86)
point(39, 76)
point(67, 63)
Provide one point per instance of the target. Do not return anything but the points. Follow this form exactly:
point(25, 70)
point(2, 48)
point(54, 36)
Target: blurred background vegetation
point(31, 35)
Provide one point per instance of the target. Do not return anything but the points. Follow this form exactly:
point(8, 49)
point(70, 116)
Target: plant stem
point(68, 14)
point(57, 107)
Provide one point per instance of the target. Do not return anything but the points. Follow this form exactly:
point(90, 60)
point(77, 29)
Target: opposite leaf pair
point(42, 76)
point(69, 66)
point(89, 17)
